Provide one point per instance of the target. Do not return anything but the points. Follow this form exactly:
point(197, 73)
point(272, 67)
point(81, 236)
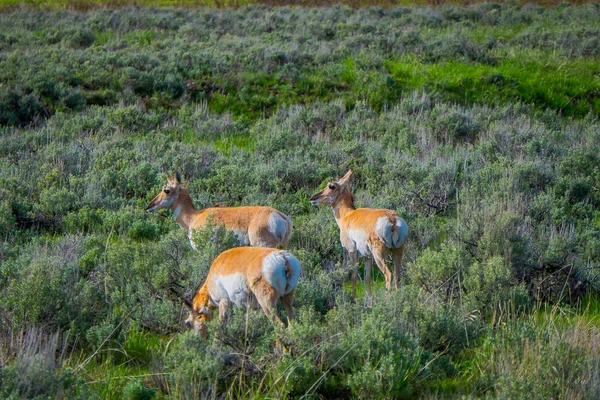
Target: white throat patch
point(176, 212)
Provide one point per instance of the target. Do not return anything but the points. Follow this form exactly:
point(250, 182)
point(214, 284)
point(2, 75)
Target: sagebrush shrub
point(477, 124)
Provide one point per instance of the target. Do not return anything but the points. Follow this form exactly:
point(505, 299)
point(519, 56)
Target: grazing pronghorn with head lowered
point(365, 231)
point(253, 225)
point(247, 277)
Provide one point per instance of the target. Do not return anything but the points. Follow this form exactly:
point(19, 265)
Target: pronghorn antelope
point(246, 277)
point(366, 231)
point(253, 225)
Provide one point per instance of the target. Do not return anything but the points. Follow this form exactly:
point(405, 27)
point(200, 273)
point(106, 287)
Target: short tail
point(292, 271)
point(392, 231)
point(280, 227)
point(288, 269)
point(288, 232)
point(281, 270)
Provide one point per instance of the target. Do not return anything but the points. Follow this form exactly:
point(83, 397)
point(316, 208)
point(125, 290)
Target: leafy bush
point(196, 367)
point(64, 298)
point(488, 151)
point(538, 362)
point(135, 390)
point(82, 37)
point(16, 108)
point(293, 56)
point(36, 372)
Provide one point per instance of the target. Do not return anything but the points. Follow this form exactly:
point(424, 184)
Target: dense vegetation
point(478, 124)
point(86, 5)
point(251, 61)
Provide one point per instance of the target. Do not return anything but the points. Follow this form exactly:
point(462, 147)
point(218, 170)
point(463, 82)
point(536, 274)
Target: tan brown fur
point(252, 221)
point(247, 261)
point(351, 220)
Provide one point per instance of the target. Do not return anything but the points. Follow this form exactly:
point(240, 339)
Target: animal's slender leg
point(368, 265)
point(223, 308)
point(352, 259)
point(379, 254)
point(398, 253)
point(287, 301)
point(267, 299)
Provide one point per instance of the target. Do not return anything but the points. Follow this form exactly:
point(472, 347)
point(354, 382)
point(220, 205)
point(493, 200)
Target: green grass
point(108, 380)
point(478, 125)
point(241, 142)
point(88, 4)
point(571, 87)
point(505, 342)
point(495, 62)
point(117, 367)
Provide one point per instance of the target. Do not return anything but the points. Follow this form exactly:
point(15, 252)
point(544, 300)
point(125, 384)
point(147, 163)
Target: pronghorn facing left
point(246, 277)
point(365, 231)
point(253, 225)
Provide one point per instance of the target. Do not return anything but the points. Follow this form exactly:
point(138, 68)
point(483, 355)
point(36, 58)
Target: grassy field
point(83, 5)
point(478, 124)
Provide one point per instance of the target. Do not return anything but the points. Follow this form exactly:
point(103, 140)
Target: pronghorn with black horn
point(366, 232)
point(253, 225)
point(245, 277)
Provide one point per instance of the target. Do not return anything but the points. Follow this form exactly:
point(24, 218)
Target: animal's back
point(233, 273)
point(232, 217)
point(386, 224)
point(254, 225)
point(279, 268)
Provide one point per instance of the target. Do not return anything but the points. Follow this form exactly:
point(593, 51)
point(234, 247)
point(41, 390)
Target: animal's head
point(333, 190)
point(197, 321)
point(200, 313)
point(197, 318)
point(167, 195)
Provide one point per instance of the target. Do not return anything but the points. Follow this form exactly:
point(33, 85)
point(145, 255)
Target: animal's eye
point(332, 187)
point(167, 191)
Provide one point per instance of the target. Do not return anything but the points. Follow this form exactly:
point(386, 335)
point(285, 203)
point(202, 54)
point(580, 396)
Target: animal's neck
point(202, 298)
point(183, 209)
point(342, 206)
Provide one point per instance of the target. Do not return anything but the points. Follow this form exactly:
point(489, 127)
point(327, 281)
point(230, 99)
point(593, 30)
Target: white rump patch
point(278, 274)
point(278, 226)
point(402, 233)
point(359, 238)
point(392, 235)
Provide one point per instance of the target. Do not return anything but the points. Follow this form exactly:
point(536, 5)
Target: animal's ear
point(346, 179)
point(178, 177)
point(169, 179)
